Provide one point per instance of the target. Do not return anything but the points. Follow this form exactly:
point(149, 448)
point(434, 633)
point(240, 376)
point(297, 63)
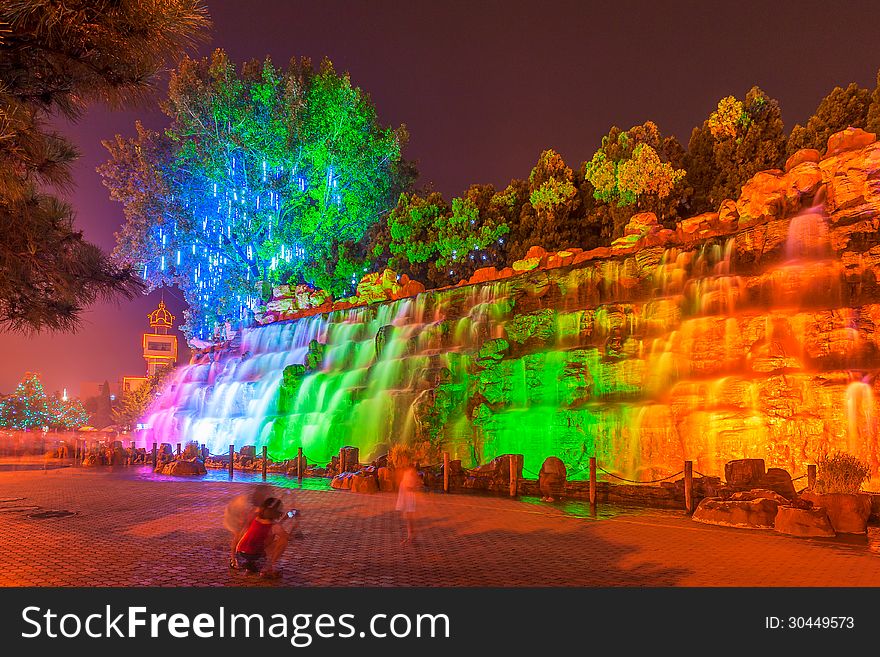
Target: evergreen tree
point(67, 413)
point(27, 407)
point(841, 109)
point(55, 58)
point(872, 121)
point(745, 137)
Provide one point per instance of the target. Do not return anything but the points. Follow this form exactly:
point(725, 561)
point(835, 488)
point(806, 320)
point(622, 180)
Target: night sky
point(483, 88)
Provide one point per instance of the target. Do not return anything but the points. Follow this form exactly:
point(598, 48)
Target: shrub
point(841, 473)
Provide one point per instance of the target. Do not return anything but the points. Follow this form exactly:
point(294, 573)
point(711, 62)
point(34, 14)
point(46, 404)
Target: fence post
point(178, 449)
point(265, 460)
point(514, 479)
point(299, 464)
point(811, 477)
point(593, 482)
point(689, 486)
point(231, 460)
point(341, 460)
point(445, 472)
point(155, 455)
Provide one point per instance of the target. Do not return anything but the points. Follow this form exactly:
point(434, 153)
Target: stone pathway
point(131, 528)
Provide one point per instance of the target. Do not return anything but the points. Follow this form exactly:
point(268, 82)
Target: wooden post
point(445, 472)
point(341, 460)
point(514, 477)
point(593, 482)
point(231, 460)
point(178, 449)
point(811, 477)
point(155, 455)
point(299, 464)
point(689, 486)
point(265, 461)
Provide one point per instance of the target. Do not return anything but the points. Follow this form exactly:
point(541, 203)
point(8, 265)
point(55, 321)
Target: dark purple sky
point(484, 87)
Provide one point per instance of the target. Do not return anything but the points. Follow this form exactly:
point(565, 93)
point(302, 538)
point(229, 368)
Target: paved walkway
point(132, 528)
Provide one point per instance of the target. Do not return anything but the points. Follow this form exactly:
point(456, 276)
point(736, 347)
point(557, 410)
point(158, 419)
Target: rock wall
point(750, 332)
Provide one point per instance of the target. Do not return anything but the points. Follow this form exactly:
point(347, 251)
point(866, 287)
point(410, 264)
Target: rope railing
point(633, 481)
point(536, 475)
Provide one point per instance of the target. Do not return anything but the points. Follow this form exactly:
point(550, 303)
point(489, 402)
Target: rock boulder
point(183, 468)
point(803, 522)
point(848, 513)
point(759, 513)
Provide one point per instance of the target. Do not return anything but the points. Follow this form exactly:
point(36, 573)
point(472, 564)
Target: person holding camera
point(264, 539)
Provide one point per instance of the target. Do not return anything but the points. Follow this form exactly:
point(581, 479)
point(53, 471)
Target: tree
point(841, 109)
point(872, 120)
point(636, 171)
point(27, 407)
point(135, 405)
point(261, 178)
point(67, 413)
point(55, 58)
point(739, 139)
point(444, 243)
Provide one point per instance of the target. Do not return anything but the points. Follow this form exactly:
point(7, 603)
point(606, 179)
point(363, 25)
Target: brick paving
point(134, 529)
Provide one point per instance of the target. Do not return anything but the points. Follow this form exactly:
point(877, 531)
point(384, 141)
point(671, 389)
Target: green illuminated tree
point(441, 243)
point(263, 175)
point(57, 57)
point(841, 109)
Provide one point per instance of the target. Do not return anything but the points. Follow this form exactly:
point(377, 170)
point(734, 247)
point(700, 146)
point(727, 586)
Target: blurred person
point(239, 513)
point(406, 497)
point(264, 540)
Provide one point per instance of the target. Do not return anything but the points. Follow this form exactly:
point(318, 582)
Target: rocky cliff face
point(750, 332)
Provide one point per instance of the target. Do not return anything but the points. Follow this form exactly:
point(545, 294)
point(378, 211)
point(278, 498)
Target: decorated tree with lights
point(27, 407)
point(66, 413)
point(264, 176)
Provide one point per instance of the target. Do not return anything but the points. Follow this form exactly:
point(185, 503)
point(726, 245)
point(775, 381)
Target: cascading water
point(727, 349)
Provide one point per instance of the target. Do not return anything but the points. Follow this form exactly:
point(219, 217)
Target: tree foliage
point(67, 414)
point(739, 139)
point(839, 110)
point(638, 170)
point(136, 404)
point(27, 407)
point(263, 175)
point(431, 239)
point(55, 58)
point(872, 120)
